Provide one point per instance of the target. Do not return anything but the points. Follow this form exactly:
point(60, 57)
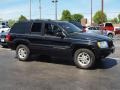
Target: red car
point(109, 28)
point(117, 30)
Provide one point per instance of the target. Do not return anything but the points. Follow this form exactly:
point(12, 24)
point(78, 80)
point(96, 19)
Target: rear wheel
point(84, 58)
point(22, 52)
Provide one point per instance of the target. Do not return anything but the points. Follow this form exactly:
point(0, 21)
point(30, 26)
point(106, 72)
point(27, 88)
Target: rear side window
point(21, 28)
point(36, 27)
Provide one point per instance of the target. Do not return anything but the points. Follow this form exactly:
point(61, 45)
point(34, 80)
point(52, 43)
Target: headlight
point(102, 44)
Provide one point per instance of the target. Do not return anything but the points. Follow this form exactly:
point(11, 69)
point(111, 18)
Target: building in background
point(84, 21)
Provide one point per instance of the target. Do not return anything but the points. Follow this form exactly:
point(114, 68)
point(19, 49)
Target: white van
point(4, 28)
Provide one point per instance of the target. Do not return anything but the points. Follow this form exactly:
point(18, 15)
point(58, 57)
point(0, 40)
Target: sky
point(12, 9)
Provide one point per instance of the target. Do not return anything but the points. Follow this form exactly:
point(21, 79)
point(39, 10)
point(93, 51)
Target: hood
point(88, 36)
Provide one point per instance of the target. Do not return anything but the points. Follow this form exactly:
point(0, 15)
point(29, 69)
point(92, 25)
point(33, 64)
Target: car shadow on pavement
point(106, 63)
point(53, 60)
point(103, 64)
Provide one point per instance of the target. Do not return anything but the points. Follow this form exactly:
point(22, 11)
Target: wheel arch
point(76, 47)
point(18, 42)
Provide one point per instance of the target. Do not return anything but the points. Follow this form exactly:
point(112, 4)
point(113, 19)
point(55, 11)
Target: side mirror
point(60, 34)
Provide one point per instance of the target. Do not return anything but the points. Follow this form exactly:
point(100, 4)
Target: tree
point(77, 17)
point(11, 22)
point(98, 17)
point(66, 15)
point(114, 20)
point(22, 18)
point(0, 19)
point(119, 18)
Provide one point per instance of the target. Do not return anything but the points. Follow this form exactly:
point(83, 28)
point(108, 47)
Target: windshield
point(70, 28)
point(77, 24)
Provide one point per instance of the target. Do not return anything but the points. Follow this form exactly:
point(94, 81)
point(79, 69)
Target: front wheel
point(22, 52)
point(84, 58)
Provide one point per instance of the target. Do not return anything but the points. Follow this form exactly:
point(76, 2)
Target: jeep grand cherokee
point(58, 39)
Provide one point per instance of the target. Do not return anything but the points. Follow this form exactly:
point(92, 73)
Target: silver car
point(96, 30)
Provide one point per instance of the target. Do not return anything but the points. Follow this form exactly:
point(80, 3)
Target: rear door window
point(36, 28)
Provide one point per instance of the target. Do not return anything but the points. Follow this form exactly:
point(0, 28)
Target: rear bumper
point(11, 45)
point(4, 44)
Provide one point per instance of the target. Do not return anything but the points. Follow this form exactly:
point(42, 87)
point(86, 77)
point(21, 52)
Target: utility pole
point(40, 8)
point(91, 11)
point(102, 5)
point(55, 2)
point(30, 9)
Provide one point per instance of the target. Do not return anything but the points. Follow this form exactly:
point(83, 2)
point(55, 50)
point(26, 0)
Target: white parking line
point(117, 45)
point(115, 58)
point(3, 49)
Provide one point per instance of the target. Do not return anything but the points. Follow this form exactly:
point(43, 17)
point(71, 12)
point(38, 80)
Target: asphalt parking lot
point(55, 74)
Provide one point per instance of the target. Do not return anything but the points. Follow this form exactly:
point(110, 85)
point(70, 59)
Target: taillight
point(8, 37)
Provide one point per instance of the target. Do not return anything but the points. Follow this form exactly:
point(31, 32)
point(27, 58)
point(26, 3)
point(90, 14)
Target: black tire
point(27, 57)
point(110, 35)
point(91, 59)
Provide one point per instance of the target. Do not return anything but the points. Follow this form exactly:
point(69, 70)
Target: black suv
point(58, 39)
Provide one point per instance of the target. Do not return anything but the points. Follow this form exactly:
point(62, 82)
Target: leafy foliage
point(119, 18)
point(22, 18)
point(66, 15)
point(11, 22)
point(77, 17)
point(98, 17)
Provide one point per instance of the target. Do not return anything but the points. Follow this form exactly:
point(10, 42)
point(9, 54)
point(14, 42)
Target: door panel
point(37, 44)
point(36, 38)
point(58, 46)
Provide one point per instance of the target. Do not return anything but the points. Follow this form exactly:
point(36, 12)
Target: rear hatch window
point(21, 28)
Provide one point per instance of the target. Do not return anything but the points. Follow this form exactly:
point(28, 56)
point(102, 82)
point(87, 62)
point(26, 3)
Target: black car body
point(58, 39)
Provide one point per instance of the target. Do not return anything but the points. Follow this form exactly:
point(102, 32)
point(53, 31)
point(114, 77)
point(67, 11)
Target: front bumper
point(102, 53)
